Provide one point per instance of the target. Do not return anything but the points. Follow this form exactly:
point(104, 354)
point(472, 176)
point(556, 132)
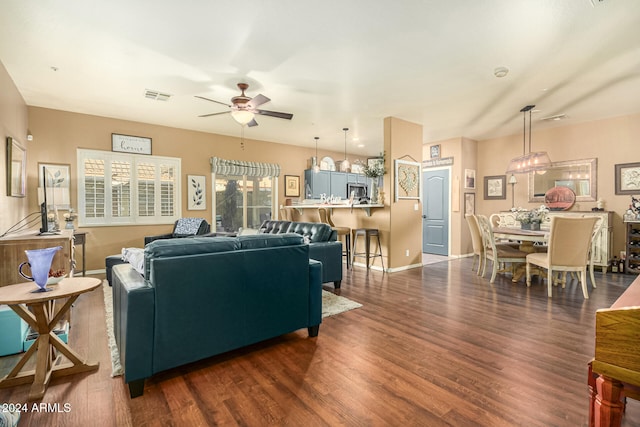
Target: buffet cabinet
point(602, 245)
point(12, 249)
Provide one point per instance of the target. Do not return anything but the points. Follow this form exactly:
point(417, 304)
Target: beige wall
point(57, 135)
point(14, 124)
point(611, 141)
point(402, 140)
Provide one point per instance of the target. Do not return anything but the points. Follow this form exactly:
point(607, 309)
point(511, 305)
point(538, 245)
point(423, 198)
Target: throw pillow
point(135, 257)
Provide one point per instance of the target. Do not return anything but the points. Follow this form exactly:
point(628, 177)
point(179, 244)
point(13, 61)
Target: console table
point(38, 309)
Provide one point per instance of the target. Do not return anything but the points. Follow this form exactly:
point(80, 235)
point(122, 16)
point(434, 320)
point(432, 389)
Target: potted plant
point(530, 219)
point(374, 171)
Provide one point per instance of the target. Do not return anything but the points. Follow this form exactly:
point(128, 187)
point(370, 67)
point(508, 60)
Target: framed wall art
point(291, 186)
point(407, 180)
point(58, 180)
point(196, 194)
point(130, 144)
point(628, 178)
point(470, 179)
point(469, 203)
point(16, 168)
point(434, 151)
point(495, 187)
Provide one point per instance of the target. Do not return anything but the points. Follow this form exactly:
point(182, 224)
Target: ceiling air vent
point(156, 95)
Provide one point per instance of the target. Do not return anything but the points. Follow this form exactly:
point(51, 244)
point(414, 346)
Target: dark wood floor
point(436, 346)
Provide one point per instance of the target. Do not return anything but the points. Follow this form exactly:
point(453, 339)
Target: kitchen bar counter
point(367, 207)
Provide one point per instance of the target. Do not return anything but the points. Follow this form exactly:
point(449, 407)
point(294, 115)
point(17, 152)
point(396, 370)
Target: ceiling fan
point(244, 108)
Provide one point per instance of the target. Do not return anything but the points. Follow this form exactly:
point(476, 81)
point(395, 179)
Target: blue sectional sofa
point(323, 244)
point(203, 296)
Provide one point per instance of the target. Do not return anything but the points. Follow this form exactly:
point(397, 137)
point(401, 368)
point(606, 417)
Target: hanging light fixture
point(528, 162)
point(316, 167)
point(345, 166)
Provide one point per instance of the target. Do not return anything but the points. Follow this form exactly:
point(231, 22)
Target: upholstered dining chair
point(569, 250)
point(476, 241)
point(497, 253)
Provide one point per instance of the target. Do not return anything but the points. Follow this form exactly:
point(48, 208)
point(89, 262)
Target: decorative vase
point(374, 191)
point(525, 226)
point(69, 225)
point(40, 263)
point(535, 226)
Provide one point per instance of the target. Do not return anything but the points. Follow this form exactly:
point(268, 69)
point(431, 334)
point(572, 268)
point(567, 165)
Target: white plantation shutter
point(122, 188)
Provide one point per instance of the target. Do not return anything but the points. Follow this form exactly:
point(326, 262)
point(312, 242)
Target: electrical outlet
point(407, 252)
point(416, 207)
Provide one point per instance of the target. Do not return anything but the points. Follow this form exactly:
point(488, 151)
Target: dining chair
point(476, 241)
point(497, 253)
point(568, 250)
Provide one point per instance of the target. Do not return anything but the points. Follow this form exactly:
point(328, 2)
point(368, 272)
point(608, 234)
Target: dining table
point(527, 239)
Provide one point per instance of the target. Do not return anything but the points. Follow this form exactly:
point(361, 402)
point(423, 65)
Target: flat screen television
point(44, 228)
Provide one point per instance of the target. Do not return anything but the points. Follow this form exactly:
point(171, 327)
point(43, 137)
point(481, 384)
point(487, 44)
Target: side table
point(39, 310)
point(80, 238)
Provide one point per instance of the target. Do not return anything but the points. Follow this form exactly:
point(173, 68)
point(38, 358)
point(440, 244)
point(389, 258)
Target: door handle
point(424, 217)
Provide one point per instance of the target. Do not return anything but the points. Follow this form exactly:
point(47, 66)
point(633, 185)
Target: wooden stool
point(367, 233)
point(325, 216)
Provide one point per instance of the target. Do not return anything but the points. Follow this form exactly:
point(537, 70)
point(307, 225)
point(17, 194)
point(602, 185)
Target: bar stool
point(325, 216)
point(367, 233)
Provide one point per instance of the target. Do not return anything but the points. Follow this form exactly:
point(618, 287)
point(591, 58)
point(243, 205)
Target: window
point(125, 189)
point(244, 193)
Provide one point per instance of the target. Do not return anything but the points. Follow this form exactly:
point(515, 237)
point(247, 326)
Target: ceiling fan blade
point(257, 101)
point(252, 123)
point(214, 114)
point(213, 100)
point(277, 114)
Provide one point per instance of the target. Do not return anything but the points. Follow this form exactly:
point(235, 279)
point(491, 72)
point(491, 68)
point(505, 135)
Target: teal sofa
point(323, 244)
point(200, 297)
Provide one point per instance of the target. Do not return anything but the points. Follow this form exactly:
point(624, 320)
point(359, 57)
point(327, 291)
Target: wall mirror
point(579, 175)
point(16, 168)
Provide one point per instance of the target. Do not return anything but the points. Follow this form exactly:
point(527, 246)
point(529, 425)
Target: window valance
point(239, 168)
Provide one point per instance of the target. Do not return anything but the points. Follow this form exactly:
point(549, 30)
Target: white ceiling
point(331, 63)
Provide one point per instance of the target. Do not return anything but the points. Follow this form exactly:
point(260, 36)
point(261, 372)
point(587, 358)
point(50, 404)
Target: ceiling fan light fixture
point(242, 116)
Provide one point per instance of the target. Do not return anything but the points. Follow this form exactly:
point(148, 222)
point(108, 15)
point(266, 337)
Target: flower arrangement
point(533, 216)
point(376, 169)
point(70, 216)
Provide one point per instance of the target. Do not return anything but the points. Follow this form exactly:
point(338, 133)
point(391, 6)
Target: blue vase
point(40, 263)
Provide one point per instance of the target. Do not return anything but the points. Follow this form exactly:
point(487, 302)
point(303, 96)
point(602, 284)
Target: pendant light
point(528, 162)
point(316, 167)
point(345, 166)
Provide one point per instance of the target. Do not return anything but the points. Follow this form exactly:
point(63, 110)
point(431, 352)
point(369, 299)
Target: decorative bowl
point(55, 280)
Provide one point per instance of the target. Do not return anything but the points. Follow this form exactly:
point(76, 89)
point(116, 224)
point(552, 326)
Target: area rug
point(116, 367)
point(332, 304)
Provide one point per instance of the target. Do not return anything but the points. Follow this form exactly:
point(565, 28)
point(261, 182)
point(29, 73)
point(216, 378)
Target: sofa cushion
point(258, 241)
point(274, 227)
point(314, 231)
point(186, 246)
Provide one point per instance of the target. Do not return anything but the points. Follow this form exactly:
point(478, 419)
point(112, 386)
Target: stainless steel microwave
point(358, 190)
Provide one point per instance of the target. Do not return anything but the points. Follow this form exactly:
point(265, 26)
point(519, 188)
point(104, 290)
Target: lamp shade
point(242, 116)
point(529, 163)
